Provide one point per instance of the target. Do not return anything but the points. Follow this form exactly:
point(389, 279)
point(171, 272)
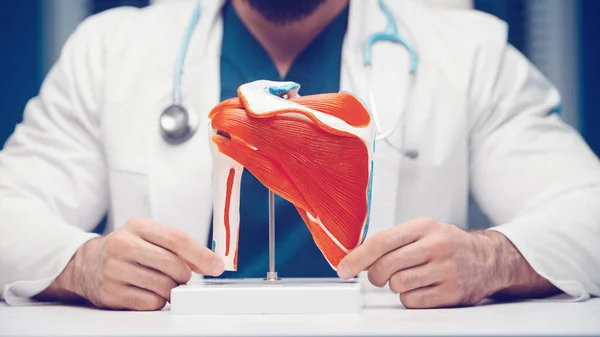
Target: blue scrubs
point(317, 70)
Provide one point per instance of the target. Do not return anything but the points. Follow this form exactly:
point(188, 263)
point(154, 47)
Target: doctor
point(459, 111)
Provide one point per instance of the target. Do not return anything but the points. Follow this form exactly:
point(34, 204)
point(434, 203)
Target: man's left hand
point(429, 263)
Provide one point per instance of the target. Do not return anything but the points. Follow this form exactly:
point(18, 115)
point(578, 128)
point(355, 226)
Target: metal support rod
point(272, 274)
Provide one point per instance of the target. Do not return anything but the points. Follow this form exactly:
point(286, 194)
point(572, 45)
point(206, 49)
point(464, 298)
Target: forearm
point(64, 287)
point(511, 276)
point(35, 247)
point(69, 285)
point(57, 292)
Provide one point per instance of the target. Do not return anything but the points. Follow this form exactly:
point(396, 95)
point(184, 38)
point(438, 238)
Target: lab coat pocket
point(129, 197)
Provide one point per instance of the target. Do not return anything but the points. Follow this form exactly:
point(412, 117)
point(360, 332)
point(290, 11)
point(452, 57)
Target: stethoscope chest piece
point(411, 154)
point(177, 124)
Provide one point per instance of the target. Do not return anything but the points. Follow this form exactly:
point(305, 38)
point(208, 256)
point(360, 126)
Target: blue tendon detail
point(369, 194)
point(280, 91)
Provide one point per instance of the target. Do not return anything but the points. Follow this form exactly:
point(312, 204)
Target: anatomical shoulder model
point(314, 151)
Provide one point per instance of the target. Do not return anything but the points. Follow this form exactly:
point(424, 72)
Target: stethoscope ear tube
point(177, 124)
point(381, 134)
point(391, 34)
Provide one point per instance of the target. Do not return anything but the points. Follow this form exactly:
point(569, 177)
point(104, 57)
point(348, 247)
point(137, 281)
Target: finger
point(159, 259)
point(134, 298)
point(116, 295)
point(141, 277)
point(413, 278)
point(180, 243)
point(193, 268)
point(438, 296)
point(412, 255)
point(380, 244)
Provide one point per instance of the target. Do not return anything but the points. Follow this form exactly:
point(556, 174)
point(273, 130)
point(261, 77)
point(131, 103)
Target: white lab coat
point(478, 116)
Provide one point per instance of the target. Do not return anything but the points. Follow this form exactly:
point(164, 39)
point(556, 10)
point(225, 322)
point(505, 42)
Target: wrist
point(68, 284)
point(511, 276)
point(494, 253)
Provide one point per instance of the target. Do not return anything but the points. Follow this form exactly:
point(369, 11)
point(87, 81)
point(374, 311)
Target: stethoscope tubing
point(178, 124)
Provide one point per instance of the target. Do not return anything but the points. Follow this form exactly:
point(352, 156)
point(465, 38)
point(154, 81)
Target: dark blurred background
point(561, 37)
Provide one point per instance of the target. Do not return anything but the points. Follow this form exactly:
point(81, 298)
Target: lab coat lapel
point(390, 74)
point(180, 175)
point(432, 110)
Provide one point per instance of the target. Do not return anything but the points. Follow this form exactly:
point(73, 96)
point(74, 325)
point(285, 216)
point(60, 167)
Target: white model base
point(256, 296)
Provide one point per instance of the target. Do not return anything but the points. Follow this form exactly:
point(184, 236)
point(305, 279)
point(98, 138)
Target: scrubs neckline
point(309, 61)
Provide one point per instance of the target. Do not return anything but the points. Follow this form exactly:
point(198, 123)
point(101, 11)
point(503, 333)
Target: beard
point(281, 12)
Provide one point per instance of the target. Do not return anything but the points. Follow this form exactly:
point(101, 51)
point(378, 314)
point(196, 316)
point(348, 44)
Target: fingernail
point(217, 267)
point(344, 271)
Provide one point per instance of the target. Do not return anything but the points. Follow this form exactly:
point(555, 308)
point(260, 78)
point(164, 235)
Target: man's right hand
point(134, 267)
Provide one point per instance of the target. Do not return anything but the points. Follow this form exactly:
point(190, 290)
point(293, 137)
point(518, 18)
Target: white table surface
point(383, 316)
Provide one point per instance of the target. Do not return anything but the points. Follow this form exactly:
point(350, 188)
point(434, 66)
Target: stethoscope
point(178, 124)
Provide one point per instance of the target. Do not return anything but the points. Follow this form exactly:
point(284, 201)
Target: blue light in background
point(23, 55)
point(102, 5)
point(514, 12)
point(20, 60)
point(589, 71)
